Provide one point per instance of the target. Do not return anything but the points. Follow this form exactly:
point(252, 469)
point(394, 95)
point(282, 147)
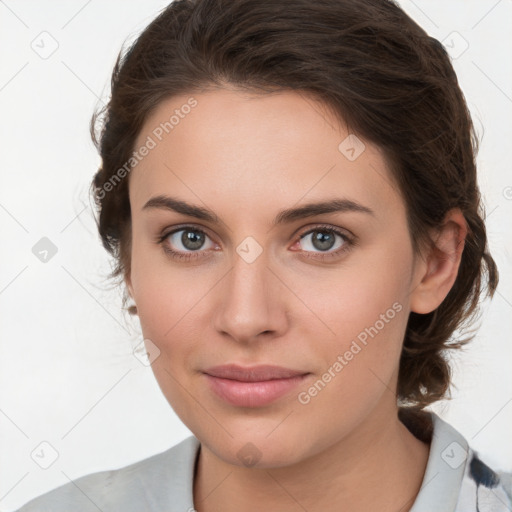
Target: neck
point(374, 468)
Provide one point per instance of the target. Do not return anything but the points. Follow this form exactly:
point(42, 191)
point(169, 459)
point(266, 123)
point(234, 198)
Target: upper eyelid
point(301, 230)
point(177, 229)
point(328, 227)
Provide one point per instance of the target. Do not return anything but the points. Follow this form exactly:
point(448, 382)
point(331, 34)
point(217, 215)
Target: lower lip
point(252, 394)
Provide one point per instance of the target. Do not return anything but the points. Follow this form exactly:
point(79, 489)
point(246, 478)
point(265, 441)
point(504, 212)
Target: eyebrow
point(285, 216)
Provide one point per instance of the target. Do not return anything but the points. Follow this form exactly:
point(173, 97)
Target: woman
point(289, 190)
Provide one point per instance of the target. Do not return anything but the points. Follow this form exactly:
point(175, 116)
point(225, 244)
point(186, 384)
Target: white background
point(67, 372)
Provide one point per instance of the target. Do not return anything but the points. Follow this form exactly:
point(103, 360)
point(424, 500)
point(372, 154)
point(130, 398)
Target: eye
point(321, 242)
point(185, 243)
point(325, 242)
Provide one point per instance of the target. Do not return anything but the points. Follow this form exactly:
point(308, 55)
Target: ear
point(438, 266)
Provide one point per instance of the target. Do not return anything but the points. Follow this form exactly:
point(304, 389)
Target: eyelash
point(349, 243)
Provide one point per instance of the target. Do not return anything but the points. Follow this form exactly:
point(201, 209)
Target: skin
point(247, 157)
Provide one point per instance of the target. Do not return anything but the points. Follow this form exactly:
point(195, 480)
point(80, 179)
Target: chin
point(258, 451)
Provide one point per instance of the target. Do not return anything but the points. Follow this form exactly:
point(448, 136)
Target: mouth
point(253, 386)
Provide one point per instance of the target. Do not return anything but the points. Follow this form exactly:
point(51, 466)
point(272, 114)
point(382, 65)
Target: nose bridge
point(249, 279)
point(249, 301)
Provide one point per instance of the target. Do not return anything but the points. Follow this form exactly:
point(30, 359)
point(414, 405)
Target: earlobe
point(440, 266)
point(133, 308)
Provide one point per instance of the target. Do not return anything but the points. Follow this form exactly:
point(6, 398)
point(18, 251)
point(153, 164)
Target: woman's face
point(263, 279)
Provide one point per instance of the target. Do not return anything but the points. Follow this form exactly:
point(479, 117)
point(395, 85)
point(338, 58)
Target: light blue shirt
point(455, 480)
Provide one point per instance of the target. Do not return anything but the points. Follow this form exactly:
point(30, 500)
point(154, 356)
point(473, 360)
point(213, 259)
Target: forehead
point(230, 147)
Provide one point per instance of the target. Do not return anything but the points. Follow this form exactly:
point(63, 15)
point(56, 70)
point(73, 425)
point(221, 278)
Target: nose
point(250, 303)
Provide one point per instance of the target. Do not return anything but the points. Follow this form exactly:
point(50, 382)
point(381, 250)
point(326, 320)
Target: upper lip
point(252, 373)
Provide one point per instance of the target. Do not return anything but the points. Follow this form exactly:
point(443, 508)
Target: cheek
point(360, 363)
point(355, 296)
point(163, 293)
point(171, 318)
point(363, 309)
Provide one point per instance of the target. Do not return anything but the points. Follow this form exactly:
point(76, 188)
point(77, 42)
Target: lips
point(253, 373)
point(252, 386)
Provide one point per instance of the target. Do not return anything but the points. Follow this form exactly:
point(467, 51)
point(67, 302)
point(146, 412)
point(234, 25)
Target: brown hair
point(377, 70)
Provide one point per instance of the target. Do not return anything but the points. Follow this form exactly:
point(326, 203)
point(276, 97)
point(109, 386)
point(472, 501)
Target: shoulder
point(484, 488)
point(456, 479)
point(480, 487)
point(157, 483)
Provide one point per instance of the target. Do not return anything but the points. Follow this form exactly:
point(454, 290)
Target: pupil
point(323, 240)
point(192, 239)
